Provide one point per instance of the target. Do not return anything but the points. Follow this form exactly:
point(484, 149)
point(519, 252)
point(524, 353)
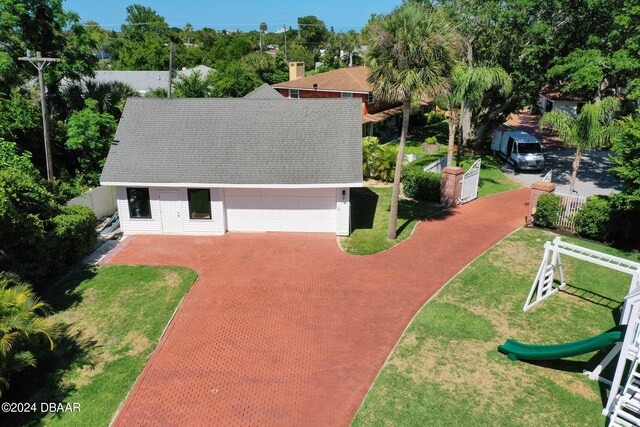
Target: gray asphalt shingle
point(237, 141)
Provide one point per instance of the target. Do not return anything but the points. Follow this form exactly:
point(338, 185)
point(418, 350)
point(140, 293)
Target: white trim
point(194, 185)
point(321, 90)
point(297, 94)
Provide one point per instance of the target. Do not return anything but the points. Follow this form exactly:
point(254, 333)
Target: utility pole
point(170, 67)
point(285, 42)
point(41, 63)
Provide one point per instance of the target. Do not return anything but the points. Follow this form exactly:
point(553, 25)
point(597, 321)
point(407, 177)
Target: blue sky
point(237, 14)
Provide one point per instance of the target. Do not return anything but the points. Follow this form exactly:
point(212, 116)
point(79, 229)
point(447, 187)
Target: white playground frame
point(544, 287)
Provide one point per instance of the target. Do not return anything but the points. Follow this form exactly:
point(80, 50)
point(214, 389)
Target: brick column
point(451, 186)
point(538, 188)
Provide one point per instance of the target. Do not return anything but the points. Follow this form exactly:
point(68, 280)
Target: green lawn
point(113, 317)
point(370, 219)
point(446, 369)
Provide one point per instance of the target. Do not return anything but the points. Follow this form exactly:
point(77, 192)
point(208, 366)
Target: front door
point(170, 211)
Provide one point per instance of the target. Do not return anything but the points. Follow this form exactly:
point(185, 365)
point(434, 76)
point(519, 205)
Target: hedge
point(417, 184)
point(547, 211)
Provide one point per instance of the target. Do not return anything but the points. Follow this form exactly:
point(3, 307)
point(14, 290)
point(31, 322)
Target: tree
point(234, 81)
point(593, 127)
point(142, 40)
point(350, 43)
point(313, 32)
point(11, 158)
point(192, 86)
point(627, 156)
point(268, 68)
point(469, 88)
point(263, 29)
point(43, 25)
point(89, 136)
point(411, 54)
point(23, 323)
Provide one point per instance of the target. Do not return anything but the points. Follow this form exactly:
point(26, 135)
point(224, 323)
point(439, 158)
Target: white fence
point(102, 200)
point(437, 166)
point(470, 182)
point(570, 205)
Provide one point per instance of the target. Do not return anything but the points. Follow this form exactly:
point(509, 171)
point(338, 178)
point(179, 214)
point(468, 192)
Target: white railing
point(548, 177)
point(570, 205)
point(437, 166)
point(470, 182)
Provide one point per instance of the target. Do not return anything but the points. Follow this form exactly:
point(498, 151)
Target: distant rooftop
point(353, 79)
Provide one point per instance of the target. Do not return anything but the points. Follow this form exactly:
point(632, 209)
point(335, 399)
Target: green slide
point(516, 350)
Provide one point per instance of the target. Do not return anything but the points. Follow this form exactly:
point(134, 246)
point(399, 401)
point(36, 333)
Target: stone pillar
point(451, 186)
point(538, 188)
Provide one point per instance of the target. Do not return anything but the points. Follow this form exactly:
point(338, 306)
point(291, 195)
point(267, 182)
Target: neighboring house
point(550, 101)
point(264, 92)
point(210, 165)
point(378, 118)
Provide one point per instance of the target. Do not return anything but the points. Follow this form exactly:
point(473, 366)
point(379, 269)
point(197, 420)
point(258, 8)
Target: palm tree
point(22, 321)
point(594, 127)
point(469, 86)
point(411, 53)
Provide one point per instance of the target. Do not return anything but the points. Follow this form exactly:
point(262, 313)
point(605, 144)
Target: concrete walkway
point(286, 329)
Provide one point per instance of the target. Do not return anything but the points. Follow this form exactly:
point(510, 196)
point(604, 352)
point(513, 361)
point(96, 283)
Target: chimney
point(296, 70)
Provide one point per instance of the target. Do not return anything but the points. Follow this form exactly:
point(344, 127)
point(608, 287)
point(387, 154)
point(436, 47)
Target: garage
point(259, 210)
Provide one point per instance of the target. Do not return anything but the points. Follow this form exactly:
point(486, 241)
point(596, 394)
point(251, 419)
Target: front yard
point(446, 369)
point(370, 209)
point(113, 318)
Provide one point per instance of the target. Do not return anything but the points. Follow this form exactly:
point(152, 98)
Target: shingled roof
point(264, 92)
point(231, 142)
point(353, 79)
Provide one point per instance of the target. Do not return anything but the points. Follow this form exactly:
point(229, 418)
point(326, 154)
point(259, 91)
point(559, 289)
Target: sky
point(244, 15)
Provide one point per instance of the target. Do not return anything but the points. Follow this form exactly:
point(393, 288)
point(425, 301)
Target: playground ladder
point(627, 412)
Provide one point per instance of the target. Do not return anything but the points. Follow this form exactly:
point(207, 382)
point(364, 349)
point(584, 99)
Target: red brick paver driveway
point(286, 329)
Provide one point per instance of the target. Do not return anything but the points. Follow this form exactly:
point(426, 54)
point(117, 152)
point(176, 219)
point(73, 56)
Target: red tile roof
point(353, 79)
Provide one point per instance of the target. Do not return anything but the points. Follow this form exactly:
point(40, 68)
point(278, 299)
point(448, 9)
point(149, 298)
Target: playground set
point(623, 404)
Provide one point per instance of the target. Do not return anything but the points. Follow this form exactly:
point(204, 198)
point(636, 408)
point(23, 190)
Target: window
point(199, 203)
point(370, 98)
point(139, 205)
point(346, 95)
point(294, 93)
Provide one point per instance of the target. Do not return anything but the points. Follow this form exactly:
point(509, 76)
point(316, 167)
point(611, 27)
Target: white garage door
point(311, 210)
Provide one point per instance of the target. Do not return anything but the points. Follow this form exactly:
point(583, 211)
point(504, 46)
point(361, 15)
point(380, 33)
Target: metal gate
point(470, 181)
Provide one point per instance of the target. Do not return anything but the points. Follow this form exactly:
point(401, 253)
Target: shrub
point(592, 220)
point(418, 184)
point(385, 163)
point(435, 116)
point(547, 211)
point(431, 140)
point(370, 149)
point(23, 324)
point(624, 221)
point(74, 233)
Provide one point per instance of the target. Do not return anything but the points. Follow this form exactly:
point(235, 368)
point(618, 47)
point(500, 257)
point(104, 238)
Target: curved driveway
point(286, 329)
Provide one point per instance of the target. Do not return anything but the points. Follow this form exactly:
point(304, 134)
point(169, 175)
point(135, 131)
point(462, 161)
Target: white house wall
point(305, 210)
point(343, 212)
point(154, 224)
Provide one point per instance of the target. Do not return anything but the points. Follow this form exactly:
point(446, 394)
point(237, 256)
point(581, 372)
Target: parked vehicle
point(518, 148)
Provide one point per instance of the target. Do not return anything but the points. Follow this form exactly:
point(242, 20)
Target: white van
point(519, 148)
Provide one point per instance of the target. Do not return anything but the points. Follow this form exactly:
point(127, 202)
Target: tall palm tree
point(22, 320)
point(411, 53)
point(469, 86)
point(594, 127)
